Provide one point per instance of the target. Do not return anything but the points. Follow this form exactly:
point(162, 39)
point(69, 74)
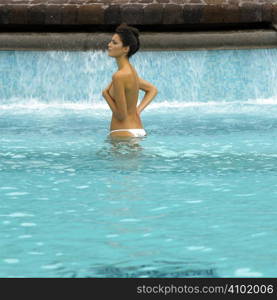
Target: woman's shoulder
point(121, 75)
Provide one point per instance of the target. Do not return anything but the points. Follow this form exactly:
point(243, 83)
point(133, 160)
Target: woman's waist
point(130, 122)
point(125, 126)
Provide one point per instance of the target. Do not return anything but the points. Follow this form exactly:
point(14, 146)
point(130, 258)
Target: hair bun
point(134, 30)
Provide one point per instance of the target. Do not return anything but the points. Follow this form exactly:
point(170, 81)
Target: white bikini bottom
point(137, 132)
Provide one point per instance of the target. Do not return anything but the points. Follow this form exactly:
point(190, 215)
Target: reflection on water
point(122, 154)
point(122, 147)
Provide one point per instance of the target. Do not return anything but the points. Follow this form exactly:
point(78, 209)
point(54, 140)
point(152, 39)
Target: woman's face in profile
point(115, 46)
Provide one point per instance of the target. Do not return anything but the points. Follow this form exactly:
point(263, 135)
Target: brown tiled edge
point(153, 41)
point(149, 13)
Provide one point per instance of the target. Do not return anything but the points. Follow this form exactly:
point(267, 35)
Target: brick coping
point(87, 24)
point(88, 14)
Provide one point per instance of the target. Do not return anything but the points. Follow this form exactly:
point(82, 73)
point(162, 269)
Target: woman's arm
point(150, 92)
point(148, 97)
point(118, 104)
point(108, 87)
point(110, 101)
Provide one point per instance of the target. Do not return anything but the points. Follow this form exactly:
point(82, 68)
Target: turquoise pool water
point(197, 197)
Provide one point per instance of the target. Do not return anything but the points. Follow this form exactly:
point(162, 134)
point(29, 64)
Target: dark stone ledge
point(181, 15)
point(153, 41)
point(153, 14)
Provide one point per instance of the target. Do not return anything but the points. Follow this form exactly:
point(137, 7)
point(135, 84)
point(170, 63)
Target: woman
point(122, 93)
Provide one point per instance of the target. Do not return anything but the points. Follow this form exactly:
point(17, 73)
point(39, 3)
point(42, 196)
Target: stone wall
point(148, 13)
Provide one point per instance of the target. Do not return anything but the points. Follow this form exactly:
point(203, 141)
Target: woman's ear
point(127, 49)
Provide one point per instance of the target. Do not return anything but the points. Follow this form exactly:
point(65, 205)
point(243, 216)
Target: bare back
point(131, 84)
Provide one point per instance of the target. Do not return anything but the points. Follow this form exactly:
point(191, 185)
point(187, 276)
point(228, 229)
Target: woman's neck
point(122, 62)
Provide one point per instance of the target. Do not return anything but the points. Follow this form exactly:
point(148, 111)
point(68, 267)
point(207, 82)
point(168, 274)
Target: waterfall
point(76, 79)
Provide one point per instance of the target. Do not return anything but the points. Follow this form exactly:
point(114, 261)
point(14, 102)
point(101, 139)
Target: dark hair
point(129, 36)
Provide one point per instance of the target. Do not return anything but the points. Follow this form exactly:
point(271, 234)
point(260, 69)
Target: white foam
point(17, 194)
point(246, 272)
point(19, 215)
point(18, 156)
point(147, 234)
point(244, 195)
point(35, 253)
point(111, 235)
point(21, 105)
point(159, 208)
point(198, 248)
point(28, 224)
point(25, 236)
point(235, 104)
point(81, 187)
point(194, 201)
point(192, 248)
point(258, 234)
point(51, 267)
point(36, 104)
point(11, 260)
point(129, 220)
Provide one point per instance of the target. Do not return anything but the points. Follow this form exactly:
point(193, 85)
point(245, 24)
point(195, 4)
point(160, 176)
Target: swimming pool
point(195, 198)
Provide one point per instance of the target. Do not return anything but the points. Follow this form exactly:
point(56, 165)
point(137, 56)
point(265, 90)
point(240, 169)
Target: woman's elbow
point(154, 92)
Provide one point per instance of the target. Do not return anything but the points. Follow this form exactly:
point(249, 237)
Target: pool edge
point(154, 41)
